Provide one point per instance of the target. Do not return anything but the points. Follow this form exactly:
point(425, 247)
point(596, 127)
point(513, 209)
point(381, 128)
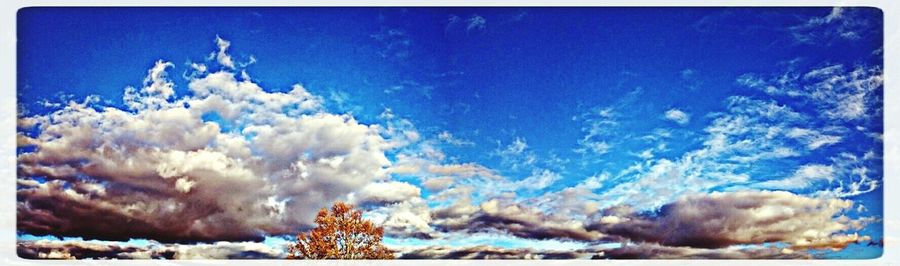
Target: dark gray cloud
point(515, 219)
point(44, 249)
point(709, 221)
point(121, 214)
point(719, 220)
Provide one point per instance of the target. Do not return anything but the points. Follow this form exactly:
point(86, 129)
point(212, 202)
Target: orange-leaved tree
point(341, 234)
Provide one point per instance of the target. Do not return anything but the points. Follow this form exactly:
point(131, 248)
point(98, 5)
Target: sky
point(465, 132)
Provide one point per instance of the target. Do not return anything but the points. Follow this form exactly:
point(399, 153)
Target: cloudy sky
point(465, 132)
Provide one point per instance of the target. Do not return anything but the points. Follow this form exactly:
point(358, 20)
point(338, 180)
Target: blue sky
point(565, 114)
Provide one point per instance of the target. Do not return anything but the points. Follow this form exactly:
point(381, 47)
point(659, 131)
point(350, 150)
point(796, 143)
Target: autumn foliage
point(341, 234)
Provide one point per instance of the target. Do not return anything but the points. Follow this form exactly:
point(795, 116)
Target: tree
point(341, 234)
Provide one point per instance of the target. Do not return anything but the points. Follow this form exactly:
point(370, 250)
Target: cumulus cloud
point(385, 192)
point(221, 57)
point(263, 165)
point(438, 183)
point(157, 82)
point(719, 220)
point(410, 218)
point(678, 116)
point(226, 250)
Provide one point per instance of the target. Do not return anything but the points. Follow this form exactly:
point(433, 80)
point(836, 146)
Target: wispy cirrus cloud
point(839, 24)
point(837, 92)
point(802, 178)
point(474, 23)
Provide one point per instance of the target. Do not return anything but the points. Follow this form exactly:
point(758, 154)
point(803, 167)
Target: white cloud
point(646, 154)
point(838, 93)
point(814, 139)
point(539, 179)
point(438, 183)
point(678, 116)
point(841, 23)
point(226, 250)
point(402, 133)
point(462, 170)
point(279, 160)
point(846, 95)
point(156, 80)
point(408, 218)
point(445, 136)
point(155, 93)
point(855, 179)
point(596, 147)
point(385, 192)
point(749, 132)
point(199, 68)
point(221, 57)
point(77, 249)
point(516, 155)
point(803, 177)
point(599, 124)
point(824, 72)
point(516, 147)
point(594, 181)
point(476, 22)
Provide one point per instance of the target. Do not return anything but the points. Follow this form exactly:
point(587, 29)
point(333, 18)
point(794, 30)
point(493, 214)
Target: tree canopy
point(341, 233)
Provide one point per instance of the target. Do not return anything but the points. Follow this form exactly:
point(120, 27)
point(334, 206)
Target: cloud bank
point(227, 161)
